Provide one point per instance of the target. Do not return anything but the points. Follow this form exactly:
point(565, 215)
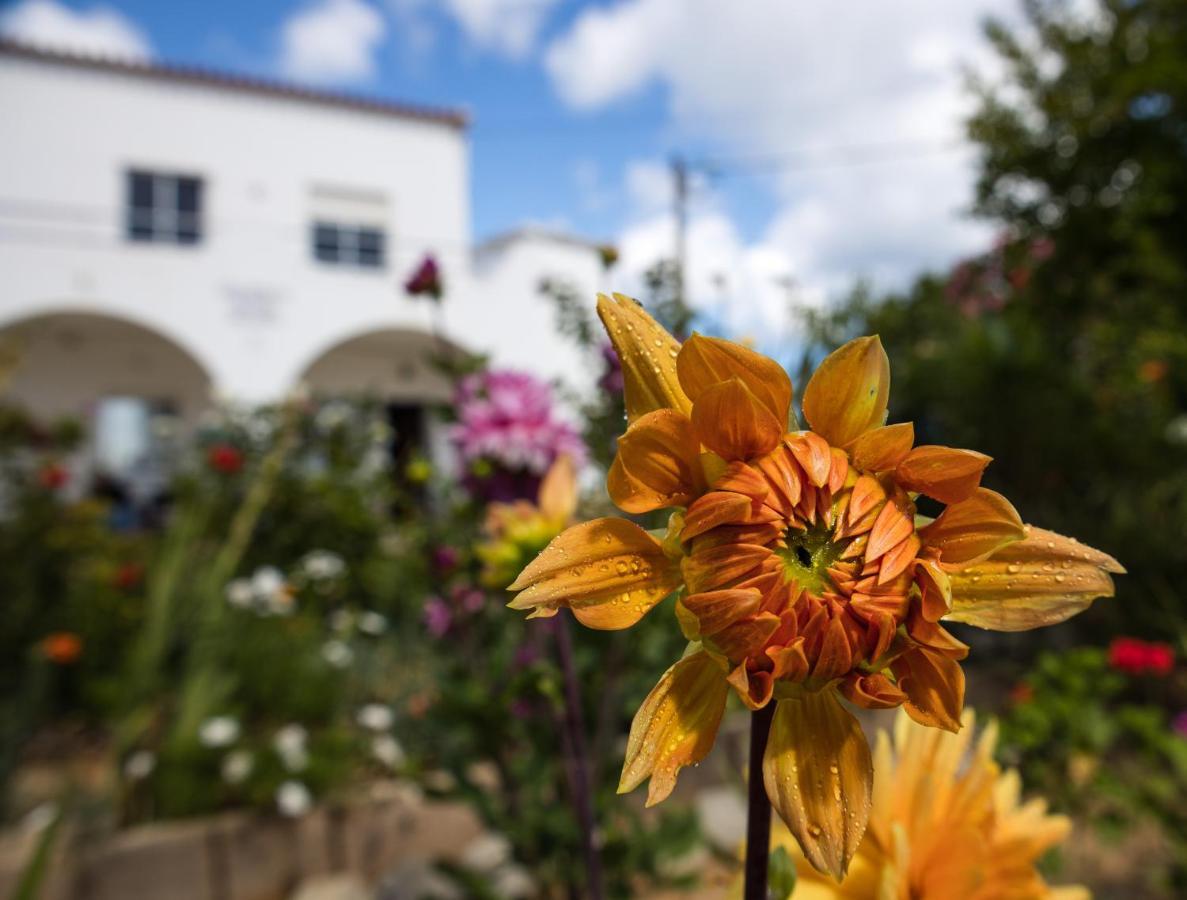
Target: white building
point(172, 235)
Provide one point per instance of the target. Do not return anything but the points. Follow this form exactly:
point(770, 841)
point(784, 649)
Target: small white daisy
point(375, 717)
point(237, 766)
point(293, 798)
point(219, 731)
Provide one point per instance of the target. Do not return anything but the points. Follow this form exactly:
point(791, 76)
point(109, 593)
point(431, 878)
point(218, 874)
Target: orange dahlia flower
point(945, 822)
point(804, 573)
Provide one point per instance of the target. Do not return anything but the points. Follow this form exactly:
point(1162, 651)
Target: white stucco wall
point(250, 304)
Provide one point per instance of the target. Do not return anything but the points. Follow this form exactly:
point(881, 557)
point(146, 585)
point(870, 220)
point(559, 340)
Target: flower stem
point(758, 807)
point(579, 758)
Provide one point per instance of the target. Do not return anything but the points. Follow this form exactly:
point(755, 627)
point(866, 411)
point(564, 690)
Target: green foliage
point(1062, 352)
point(781, 874)
point(1098, 743)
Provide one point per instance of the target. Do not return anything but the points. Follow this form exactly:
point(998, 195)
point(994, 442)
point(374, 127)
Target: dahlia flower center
point(807, 556)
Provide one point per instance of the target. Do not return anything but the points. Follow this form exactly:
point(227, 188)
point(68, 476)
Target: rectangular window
point(164, 208)
point(349, 245)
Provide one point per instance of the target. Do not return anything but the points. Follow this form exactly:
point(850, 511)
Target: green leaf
point(781, 875)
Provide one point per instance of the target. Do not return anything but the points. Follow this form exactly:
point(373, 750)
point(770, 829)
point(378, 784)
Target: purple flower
point(426, 280)
point(611, 381)
point(437, 617)
point(525, 655)
point(1179, 723)
point(521, 709)
point(445, 558)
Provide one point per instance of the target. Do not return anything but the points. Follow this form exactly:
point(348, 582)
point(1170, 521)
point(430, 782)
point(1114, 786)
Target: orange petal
point(934, 685)
point(874, 691)
point(974, 528)
point(754, 689)
point(847, 394)
point(648, 356)
point(935, 586)
point(558, 491)
point(610, 572)
point(893, 525)
point(731, 422)
point(897, 558)
point(705, 361)
point(882, 448)
point(745, 637)
point(714, 610)
point(1041, 580)
point(658, 464)
point(717, 567)
point(675, 726)
point(818, 774)
point(713, 509)
point(946, 474)
point(814, 455)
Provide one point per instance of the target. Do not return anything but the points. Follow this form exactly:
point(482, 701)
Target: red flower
point(1021, 693)
point(426, 280)
point(224, 458)
point(128, 576)
point(1137, 657)
point(52, 476)
point(61, 647)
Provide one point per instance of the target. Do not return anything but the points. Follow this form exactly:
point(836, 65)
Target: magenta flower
point(426, 280)
point(507, 426)
point(1179, 724)
point(437, 617)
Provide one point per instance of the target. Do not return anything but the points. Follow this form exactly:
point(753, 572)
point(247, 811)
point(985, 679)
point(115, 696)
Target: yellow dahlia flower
point(804, 573)
point(516, 531)
point(945, 823)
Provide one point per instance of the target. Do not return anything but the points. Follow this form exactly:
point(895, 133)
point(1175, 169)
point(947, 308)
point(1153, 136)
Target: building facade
point(176, 236)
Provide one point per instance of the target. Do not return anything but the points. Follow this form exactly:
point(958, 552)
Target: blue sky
point(835, 129)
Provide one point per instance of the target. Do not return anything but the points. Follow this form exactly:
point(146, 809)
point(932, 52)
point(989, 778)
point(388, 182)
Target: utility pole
point(679, 168)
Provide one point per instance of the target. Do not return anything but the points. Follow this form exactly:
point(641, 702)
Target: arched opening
point(133, 391)
point(402, 369)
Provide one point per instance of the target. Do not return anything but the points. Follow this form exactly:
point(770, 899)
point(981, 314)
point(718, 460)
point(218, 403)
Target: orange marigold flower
point(61, 647)
point(804, 573)
point(945, 822)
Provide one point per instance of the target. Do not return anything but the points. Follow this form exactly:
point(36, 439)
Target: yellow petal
point(648, 356)
point(658, 464)
point(705, 361)
point(675, 726)
point(882, 448)
point(558, 490)
point(944, 473)
point(974, 528)
point(847, 394)
point(610, 572)
point(819, 777)
point(731, 422)
point(934, 685)
point(1041, 580)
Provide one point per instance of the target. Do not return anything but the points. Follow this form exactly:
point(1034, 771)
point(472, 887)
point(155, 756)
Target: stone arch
point(64, 361)
point(391, 364)
point(135, 391)
point(394, 366)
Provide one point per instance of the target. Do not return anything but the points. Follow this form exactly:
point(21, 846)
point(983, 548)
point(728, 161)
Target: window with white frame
point(348, 227)
point(163, 208)
point(350, 245)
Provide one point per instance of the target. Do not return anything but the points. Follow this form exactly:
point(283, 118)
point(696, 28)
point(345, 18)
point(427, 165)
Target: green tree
point(1062, 351)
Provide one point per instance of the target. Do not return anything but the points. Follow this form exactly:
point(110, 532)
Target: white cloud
point(98, 31)
point(761, 78)
point(331, 41)
point(508, 28)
